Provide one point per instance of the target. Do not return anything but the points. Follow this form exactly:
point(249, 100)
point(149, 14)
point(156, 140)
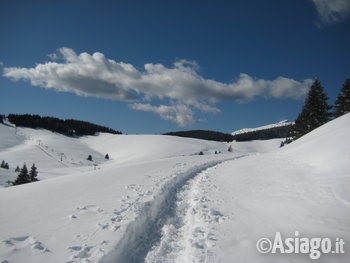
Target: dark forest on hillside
point(205, 135)
point(68, 127)
point(266, 134)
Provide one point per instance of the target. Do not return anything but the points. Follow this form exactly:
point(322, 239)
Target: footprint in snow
point(81, 252)
point(72, 216)
point(216, 215)
point(90, 208)
point(102, 225)
point(24, 242)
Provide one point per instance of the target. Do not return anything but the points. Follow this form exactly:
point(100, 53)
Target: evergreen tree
point(89, 158)
point(230, 149)
point(23, 176)
point(17, 170)
point(33, 174)
point(4, 165)
point(107, 156)
point(342, 103)
point(315, 112)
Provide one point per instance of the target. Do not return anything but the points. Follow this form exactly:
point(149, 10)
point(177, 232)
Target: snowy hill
point(265, 127)
point(157, 200)
point(303, 187)
point(56, 155)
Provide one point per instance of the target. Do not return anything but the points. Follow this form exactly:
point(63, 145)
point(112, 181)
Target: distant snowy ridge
point(265, 127)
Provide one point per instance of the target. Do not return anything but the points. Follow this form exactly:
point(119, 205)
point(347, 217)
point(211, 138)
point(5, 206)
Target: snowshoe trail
point(173, 227)
point(188, 235)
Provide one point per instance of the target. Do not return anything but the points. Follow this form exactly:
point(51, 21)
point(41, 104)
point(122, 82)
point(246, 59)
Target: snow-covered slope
point(9, 137)
point(139, 148)
point(265, 127)
point(157, 200)
point(57, 155)
point(53, 154)
point(326, 148)
point(302, 187)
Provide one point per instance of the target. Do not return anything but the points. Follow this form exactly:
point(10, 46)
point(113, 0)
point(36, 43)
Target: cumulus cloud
point(95, 75)
point(180, 114)
point(332, 11)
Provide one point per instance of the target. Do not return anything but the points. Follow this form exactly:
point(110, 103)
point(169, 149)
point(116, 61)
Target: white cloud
point(332, 11)
point(180, 114)
point(95, 75)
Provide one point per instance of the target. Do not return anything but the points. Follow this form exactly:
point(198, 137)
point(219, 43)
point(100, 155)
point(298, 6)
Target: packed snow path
point(186, 235)
point(164, 229)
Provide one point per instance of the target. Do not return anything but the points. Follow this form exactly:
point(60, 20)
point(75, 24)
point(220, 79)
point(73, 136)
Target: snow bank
point(303, 187)
point(326, 148)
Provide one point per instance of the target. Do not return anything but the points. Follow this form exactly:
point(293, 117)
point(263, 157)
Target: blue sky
point(159, 66)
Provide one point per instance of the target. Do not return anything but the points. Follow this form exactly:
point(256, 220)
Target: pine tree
point(6, 166)
point(89, 158)
point(33, 174)
point(2, 165)
point(23, 176)
point(107, 156)
point(315, 112)
point(342, 103)
point(17, 170)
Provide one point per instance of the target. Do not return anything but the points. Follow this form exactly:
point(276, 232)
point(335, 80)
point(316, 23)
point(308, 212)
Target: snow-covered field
point(157, 200)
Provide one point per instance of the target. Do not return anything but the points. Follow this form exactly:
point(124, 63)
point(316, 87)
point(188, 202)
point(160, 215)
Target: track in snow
point(146, 232)
point(189, 236)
